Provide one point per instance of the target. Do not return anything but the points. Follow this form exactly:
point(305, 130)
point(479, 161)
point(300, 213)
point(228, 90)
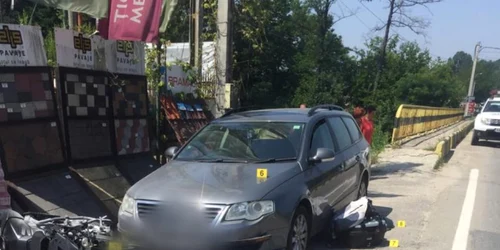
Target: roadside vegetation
point(287, 53)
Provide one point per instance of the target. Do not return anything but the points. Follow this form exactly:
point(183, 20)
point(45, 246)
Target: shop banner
point(76, 50)
point(21, 45)
point(125, 57)
point(132, 20)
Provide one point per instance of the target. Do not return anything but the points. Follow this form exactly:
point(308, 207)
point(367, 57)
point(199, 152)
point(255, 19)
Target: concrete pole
point(70, 20)
point(470, 93)
point(223, 53)
point(198, 30)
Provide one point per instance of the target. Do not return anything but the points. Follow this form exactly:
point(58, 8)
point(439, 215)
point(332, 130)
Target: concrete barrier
point(414, 120)
point(445, 146)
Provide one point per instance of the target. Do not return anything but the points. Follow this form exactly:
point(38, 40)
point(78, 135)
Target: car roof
point(278, 115)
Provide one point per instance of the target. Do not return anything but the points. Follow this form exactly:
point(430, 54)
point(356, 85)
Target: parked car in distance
point(265, 179)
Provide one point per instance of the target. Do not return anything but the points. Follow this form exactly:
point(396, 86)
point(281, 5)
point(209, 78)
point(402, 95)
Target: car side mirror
point(322, 155)
point(170, 152)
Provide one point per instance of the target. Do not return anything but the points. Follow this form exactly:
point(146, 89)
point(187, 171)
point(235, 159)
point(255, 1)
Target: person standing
point(367, 127)
point(358, 113)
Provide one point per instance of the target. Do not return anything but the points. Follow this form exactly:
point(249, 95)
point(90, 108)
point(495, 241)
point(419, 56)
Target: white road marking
point(462, 233)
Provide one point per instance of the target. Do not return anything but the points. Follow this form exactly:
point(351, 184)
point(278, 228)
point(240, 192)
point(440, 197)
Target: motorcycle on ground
point(29, 232)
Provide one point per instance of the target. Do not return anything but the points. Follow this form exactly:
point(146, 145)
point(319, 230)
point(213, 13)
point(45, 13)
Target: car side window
point(341, 133)
point(352, 128)
point(321, 138)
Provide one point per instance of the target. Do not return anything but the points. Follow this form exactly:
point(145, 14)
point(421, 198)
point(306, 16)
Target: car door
point(354, 173)
point(349, 151)
point(325, 175)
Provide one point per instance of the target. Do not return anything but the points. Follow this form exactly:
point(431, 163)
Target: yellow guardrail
point(413, 120)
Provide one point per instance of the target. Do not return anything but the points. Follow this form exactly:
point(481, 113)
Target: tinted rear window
point(341, 132)
point(353, 128)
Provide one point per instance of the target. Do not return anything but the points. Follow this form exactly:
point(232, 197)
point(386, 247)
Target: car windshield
point(246, 142)
point(492, 107)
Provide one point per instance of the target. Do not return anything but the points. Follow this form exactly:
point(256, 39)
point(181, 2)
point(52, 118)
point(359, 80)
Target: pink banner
point(132, 20)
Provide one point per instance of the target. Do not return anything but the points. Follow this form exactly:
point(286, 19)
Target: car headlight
point(128, 205)
point(249, 210)
point(486, 121)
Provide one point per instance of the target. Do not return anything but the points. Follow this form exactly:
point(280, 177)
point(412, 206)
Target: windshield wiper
point(222, 160)
point(270, 160)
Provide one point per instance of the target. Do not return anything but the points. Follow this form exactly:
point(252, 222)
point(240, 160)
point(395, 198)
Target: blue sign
point(181, 106)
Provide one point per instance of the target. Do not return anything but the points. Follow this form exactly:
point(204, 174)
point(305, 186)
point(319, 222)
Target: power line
point(355, 14)
point(375, 15)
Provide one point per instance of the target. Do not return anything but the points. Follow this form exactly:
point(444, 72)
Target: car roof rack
point(240, 109)
point(313, 110)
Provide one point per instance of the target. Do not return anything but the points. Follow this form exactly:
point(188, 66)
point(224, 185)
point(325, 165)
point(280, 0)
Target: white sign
point(177, 80)
point(75, 50)
point(125, 57)
point(21, 45)
point(180, 52)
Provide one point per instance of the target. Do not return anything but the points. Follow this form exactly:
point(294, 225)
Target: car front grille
point(148, 209)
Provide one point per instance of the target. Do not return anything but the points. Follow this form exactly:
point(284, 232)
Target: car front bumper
point(269, 232)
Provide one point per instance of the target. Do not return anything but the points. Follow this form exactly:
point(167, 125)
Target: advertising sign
point(75, 50)
point(21, 45)
point(125, 57)
point(177, 80)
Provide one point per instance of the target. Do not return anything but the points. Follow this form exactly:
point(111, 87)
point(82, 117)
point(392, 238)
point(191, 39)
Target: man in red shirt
point(367, 127)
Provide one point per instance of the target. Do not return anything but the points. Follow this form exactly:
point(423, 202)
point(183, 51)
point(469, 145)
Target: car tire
point(475, 139)
point(299, 230)
point(363, 189)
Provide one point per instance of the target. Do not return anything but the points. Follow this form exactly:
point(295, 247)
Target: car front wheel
point(298, 237)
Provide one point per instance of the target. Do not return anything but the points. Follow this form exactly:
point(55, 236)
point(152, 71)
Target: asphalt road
point(456, 207)
point(466, 214)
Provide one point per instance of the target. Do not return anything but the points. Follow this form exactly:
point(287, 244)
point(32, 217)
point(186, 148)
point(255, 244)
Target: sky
point(456, 25)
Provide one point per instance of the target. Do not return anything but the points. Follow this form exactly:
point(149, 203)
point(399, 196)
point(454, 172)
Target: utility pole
point(470, 93)
point(224, 54)
point(195, 31)
point(70, 20)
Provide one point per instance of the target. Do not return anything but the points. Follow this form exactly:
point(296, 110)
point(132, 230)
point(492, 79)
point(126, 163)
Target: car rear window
point(353, 128)
point(341, 133)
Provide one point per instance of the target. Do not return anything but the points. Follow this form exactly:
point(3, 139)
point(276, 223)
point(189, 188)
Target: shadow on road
point(490, 144)
point(383, 195)
point(393, 168)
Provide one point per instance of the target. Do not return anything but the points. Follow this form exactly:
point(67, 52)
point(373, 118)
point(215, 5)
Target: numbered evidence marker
point(401, 223)
point(114, 246)
point(393, 243)
point(262, 173)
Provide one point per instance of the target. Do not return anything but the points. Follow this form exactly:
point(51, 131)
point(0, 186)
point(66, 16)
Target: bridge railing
point(412, 120)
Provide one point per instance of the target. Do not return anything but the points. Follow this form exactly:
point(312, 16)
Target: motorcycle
point(53, 232)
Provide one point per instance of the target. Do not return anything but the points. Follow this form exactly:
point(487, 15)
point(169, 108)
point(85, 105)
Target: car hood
point(216, 183)
point(490, 115)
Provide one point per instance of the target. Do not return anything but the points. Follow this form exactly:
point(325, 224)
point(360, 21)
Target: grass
point(379, 142)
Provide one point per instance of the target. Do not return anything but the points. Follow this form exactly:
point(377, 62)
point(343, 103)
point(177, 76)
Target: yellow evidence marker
point(401, 223)
point(262, 173)
point(393, 243)
point(113, 245)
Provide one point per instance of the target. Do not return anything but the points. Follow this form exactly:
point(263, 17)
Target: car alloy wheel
point(300, 232)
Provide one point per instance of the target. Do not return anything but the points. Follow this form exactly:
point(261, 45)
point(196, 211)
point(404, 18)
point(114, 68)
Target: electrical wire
point(355, 14)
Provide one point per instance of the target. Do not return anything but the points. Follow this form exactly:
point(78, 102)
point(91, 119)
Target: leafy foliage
point(287, 52)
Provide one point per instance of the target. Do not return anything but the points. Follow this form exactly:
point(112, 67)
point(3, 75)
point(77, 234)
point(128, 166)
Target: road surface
point(433, 203)
point(467, 213)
